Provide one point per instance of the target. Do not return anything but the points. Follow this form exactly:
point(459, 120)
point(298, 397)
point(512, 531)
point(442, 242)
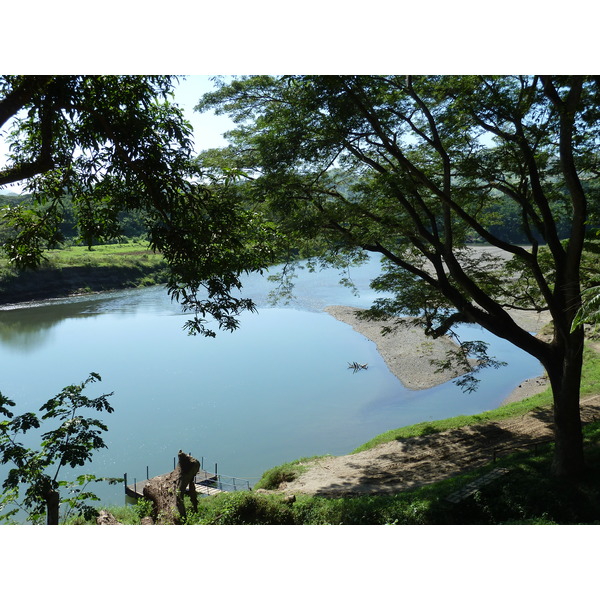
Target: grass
point(108, 255)
point(504, 412)
point(76, 269)
point(127, 515)
point(272, 478)
point(590, 385)
point(528, 494)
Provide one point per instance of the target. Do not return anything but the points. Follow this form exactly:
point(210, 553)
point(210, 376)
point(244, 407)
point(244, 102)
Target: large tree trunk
point(565, 379)
point(167, 491)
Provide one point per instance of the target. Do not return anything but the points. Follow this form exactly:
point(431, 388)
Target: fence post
point(134, 485)
point(125, 481)
point(234, 484)
point(147, 473)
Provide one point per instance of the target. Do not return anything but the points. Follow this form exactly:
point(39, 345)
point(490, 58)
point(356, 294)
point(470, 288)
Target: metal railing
point(224, 483)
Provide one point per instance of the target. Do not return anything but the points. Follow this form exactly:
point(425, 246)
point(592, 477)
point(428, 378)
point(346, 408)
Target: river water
point(275, 390)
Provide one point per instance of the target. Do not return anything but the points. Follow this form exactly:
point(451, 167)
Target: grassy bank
point(77, 270)
point(527, 494)
point(590, 385)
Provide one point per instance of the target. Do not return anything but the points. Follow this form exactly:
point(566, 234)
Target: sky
point(208, 127)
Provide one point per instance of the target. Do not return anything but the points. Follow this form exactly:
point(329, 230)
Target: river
point(275, 390)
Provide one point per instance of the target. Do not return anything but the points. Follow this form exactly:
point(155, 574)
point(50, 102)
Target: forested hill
point(504, 217)
point(80, 263)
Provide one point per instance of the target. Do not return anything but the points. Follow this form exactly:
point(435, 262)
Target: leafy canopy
point(419, 168)
point(114, 143)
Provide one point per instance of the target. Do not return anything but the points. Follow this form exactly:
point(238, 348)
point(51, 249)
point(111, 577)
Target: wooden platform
point(205, 485)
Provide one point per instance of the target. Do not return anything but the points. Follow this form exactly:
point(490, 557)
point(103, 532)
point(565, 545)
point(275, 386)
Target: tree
point(414, 168)
point(115, 143)
point(110, 144)
point(166, 492)
point(71, 443)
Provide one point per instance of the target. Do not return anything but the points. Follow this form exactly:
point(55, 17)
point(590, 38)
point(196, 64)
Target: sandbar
point(408, 352)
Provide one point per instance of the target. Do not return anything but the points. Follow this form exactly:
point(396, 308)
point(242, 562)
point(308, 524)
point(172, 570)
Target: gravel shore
point(408, 351)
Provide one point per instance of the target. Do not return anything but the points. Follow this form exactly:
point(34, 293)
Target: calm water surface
point(275, 390)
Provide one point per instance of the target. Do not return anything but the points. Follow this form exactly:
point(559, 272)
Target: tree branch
point(21, 96)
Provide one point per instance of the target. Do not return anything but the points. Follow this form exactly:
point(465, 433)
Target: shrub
point(242, 508)
point(273, 478)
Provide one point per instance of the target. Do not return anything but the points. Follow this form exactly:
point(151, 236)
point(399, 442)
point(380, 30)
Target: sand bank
point(408, 351)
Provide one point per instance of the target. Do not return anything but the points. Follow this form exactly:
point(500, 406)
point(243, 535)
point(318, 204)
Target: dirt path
point(399, 465)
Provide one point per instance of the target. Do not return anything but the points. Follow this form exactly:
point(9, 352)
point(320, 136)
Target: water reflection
point(26, 328)
point(29, 325)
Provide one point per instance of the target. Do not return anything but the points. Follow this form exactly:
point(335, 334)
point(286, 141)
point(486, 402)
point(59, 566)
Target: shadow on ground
point(403, 464)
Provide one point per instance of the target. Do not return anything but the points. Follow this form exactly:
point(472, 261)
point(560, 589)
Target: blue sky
point(208, 127)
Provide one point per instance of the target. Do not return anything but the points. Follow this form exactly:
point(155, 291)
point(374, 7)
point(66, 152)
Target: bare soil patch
point(400, 465)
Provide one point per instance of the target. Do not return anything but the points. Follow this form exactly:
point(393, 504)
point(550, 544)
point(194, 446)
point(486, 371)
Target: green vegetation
point(34, 473)
point(423, 167)
point(589, 313)
point(117, 145)
point(272, 478)
point(76, 269)
point(527, 494)
point(127, 224)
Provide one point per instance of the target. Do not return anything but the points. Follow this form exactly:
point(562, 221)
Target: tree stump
point(166, 492)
